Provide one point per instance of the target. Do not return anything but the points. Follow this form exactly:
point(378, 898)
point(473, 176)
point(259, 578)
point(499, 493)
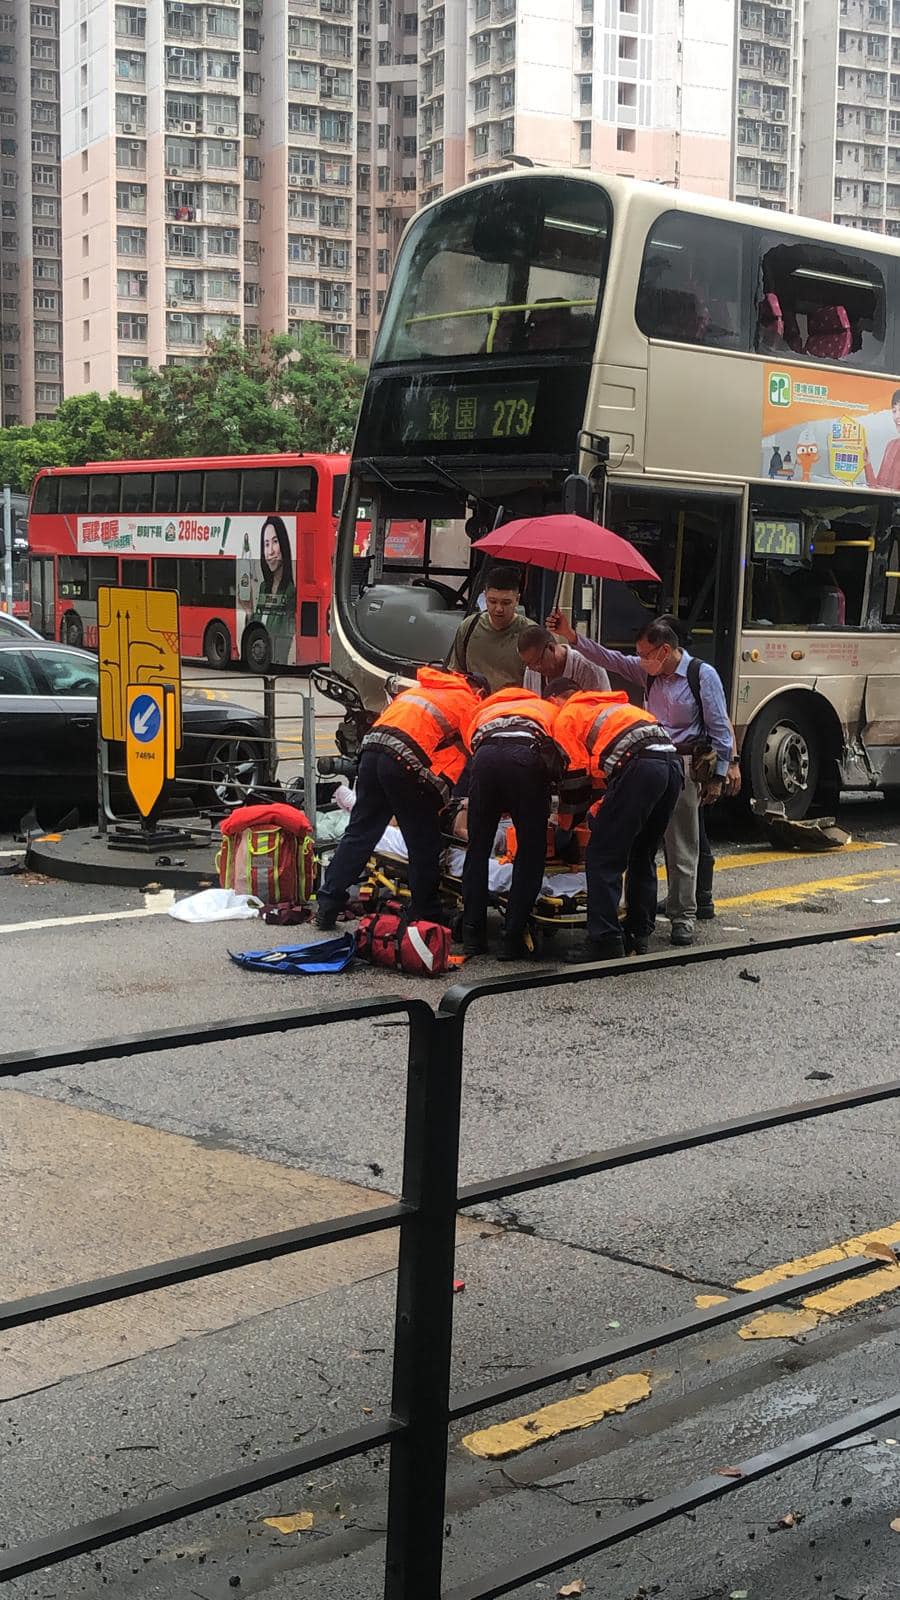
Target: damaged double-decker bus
point(720, 385)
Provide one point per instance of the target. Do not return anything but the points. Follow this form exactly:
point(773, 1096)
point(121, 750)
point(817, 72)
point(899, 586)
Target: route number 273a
point(512, 419)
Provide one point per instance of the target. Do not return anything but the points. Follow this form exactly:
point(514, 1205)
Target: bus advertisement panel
point(831, 427)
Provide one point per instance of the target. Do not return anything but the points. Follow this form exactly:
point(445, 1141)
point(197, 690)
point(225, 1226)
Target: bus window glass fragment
point(891, 610)
point(691, 284)
point(819, 302)
point(510, 270)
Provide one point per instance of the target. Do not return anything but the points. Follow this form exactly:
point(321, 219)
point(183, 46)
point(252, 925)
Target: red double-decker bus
point(247, 541)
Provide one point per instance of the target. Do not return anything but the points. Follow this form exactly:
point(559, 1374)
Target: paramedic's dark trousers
point(506, 775)
point(626, 834)
point(385, 788)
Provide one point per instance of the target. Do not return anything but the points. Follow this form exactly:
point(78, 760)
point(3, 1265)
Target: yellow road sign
point(137, 643)
point(148, 747)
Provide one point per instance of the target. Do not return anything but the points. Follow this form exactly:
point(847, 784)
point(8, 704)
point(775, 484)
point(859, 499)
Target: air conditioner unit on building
point(171, 172)
point(235, 59)
point(128, 127)
point(308, 183)
point(777, 116)
point(189, 127)
point(228, 144)
point(294, 54)
point(331, 72)
point(176, 52)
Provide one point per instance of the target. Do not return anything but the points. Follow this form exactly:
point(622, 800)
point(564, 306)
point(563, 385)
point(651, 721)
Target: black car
point(48, 737)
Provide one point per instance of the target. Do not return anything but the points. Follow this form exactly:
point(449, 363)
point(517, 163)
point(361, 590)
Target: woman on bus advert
point(276, 601)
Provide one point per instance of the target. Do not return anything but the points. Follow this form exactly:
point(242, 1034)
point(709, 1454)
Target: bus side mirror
point(578, 496)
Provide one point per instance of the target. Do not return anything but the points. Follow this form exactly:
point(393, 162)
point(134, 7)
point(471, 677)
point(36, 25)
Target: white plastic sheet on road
point(216, 905)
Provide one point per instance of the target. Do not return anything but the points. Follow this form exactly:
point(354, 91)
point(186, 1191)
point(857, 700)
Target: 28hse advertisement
point(831, 427)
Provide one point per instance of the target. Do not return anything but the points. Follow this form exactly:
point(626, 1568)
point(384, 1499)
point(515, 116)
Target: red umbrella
point(568, 544)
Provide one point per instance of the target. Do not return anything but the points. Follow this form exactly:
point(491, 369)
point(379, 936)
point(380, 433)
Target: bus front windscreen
point(511, 268)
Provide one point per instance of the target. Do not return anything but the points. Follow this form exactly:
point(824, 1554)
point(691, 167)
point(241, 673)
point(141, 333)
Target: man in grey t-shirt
point(551, 658)
point(487, 642)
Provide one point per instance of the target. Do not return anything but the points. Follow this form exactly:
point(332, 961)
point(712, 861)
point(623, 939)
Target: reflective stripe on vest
point(443, 722)
point(517, 722)
point(625, 743)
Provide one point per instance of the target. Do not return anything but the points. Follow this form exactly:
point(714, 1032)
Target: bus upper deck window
point(500, 271)
point(73, 495)
point(46, 495)
point(297, 489)
point(691, 284)
point(222, 491)
point(190, 491)
point(137, 493)
point(821, 301)
point(103, 497)
point(258, 489)
point(165, 491)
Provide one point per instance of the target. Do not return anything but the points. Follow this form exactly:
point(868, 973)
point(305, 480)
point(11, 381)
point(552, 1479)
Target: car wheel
point(256, 650)
point(782, 758)
point(73, 629)
point(217, 646)
point(234, 768)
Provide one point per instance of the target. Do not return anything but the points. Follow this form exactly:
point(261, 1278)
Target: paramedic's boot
point(474, 940)
point(515, 947)
point(609, 949)
point(706, 909)
point(326, 917)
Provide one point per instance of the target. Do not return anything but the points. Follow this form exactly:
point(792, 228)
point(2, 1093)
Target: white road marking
point(13, 852)
point(154, 905)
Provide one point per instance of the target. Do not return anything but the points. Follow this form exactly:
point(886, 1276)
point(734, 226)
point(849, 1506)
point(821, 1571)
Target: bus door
point(43, 596)
point(135, 572)
point(692, 539)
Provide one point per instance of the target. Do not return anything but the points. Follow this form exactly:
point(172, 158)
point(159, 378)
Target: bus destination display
point(778, 540)
point(484, 411)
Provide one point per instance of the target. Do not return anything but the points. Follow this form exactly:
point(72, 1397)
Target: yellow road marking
point(790, 893)
point(829, 1302)
point(299, 1522)
point(564, 1416)
point(762, 858)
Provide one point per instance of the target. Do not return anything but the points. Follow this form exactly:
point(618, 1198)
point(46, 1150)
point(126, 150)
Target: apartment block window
point(129, 64)
point(383, 262)
point(131, 22)
point(252, 83)
point(301, 248)
point(483, 94)
point(131, 325)
point(131, 241)
point(482, 49)
point(409, 105)
point(128, 367)
point(586, 90)
point(45, 301)
point(42, 17)
point(252, 168)
point(220, 66)
point(626, 94)
point(46, 333)
point(302, 119)
point(131, 153)
point(303, 76)
point(46, 239)
point(222, 241)
point(364, 223)
point(47, 394)
point(222, 154)
point(876, 84)
point(335, 126)
point(131, 285)
point(222, 22)
point(46, 270)
point(626, 140)
point(301, 291)
point(252, 211)
point(131, 197)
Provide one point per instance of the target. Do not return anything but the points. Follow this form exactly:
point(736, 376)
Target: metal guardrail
point(422, 1406)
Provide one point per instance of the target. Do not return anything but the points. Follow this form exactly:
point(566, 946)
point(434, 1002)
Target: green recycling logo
point(779, 389)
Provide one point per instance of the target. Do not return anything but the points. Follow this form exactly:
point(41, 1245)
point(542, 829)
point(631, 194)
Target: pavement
point(105, 1166)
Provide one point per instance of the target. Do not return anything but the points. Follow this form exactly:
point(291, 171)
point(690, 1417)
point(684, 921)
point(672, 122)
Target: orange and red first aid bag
point(268, 851)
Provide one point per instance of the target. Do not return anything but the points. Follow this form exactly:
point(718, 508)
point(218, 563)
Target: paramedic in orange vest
point(410, 759)
point(620, 752)
point(515, 761)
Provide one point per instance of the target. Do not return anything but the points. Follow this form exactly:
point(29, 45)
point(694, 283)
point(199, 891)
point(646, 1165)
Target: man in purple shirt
point(660, 669)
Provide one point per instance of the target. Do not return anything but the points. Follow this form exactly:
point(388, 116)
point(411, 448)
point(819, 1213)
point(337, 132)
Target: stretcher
point(562, 902)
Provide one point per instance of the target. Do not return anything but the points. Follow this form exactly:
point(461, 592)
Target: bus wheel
point(73, 629)
point(217, 645)
point(256, 650)
point(781, 759)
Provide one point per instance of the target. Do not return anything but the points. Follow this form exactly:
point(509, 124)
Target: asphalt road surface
point(106, 1166)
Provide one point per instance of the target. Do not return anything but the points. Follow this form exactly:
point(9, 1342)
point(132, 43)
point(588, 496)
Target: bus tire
point(256, 649)
point(217, 645)
point(781, 759)
point(72, 630)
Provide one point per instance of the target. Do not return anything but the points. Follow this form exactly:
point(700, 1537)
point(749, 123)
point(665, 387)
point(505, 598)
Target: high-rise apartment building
point(30, 260)
point(767, 103)
point(207, 178)
point(387, 43)
point(851, 158)
point(640, 87)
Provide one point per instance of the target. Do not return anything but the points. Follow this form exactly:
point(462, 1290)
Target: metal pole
point(7, 549)
point(309, 755)
point(102, 820)
point(271, 732)
point(424, 1318)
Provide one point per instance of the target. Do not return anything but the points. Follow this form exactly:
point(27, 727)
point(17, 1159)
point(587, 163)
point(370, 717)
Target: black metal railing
point(422, 1406)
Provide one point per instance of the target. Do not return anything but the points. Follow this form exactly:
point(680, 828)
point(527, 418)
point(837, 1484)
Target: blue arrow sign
point(144, 718)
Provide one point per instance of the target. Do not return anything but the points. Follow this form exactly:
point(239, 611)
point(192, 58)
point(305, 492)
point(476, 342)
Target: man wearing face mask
point(660, 669)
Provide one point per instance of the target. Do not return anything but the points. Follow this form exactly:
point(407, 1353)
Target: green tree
point(283, 394)
point(24, 450)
